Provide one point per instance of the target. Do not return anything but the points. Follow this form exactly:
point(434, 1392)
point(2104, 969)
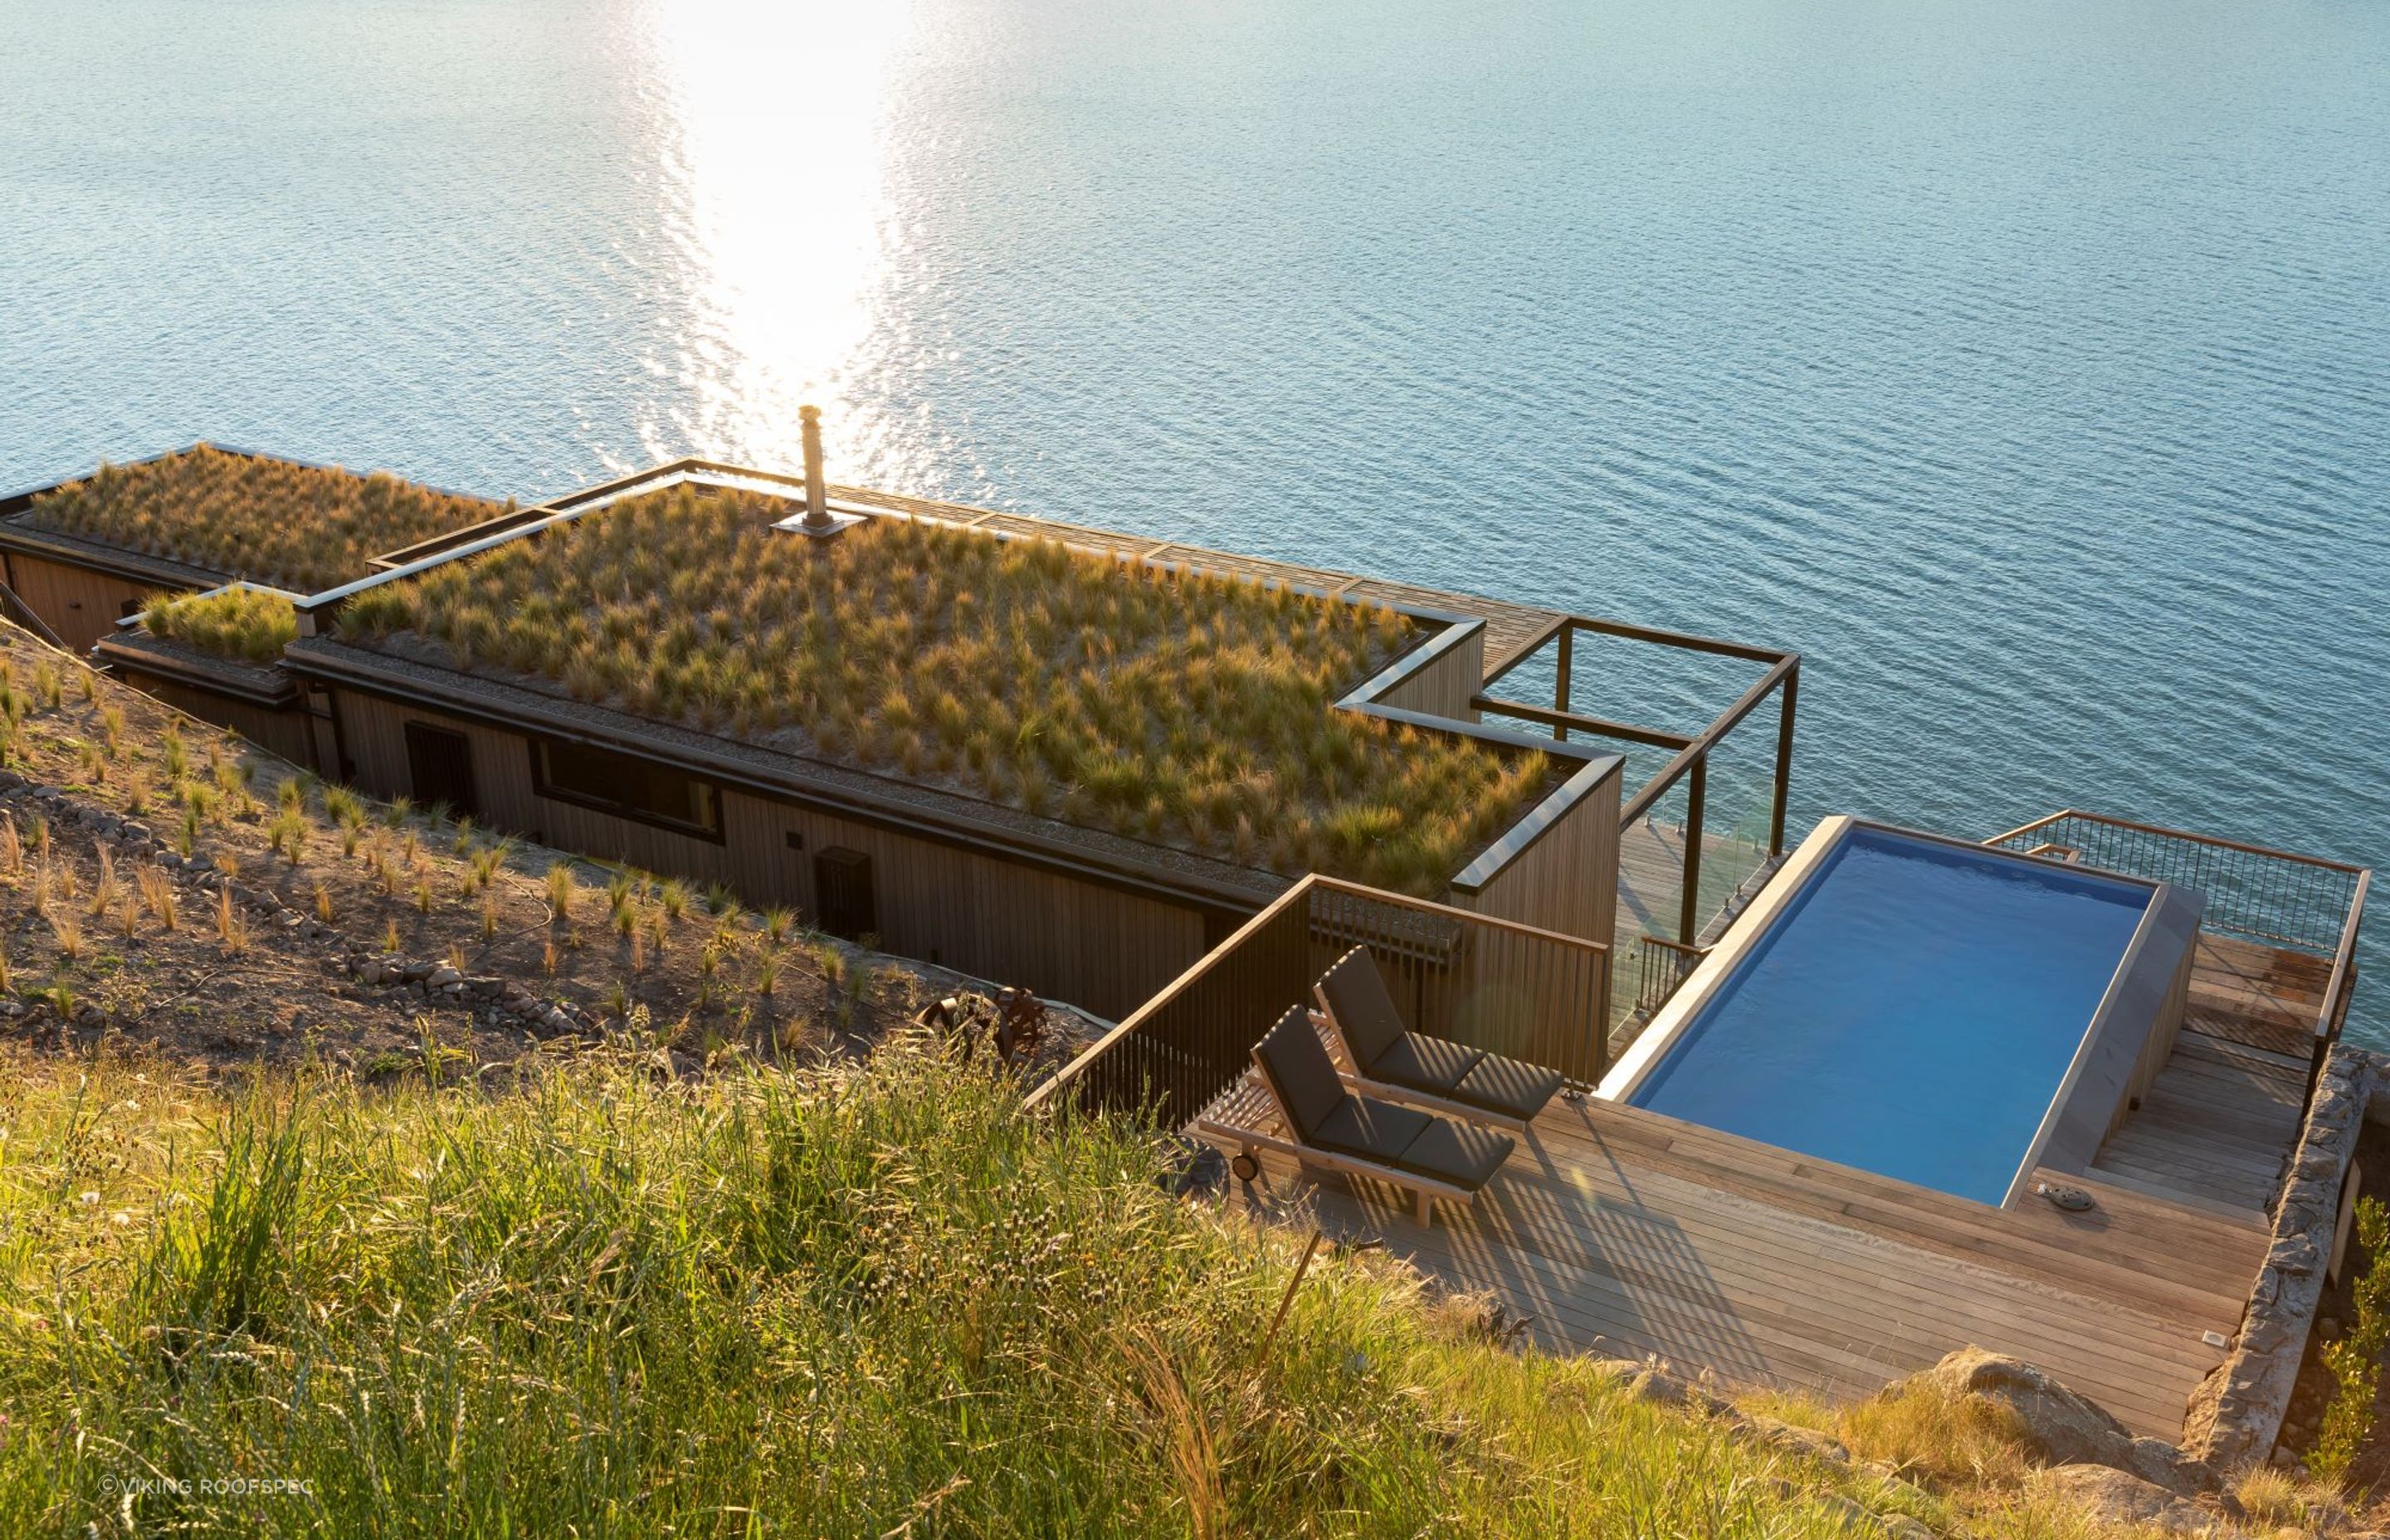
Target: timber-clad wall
point(80, 605)
point(1010, 922)
point(1568, 879)
point(280, 732)
point(1447, 686)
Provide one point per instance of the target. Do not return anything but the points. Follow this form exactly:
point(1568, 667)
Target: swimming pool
point(1925, 1009)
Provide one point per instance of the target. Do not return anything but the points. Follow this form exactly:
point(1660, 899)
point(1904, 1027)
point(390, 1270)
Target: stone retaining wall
point(2237, 1414)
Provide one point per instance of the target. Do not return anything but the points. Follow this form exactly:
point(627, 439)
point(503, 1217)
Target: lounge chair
point(1326, 1125)
point(1392, 1060)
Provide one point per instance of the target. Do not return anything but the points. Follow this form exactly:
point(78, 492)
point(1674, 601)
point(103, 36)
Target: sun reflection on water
point(785, 232)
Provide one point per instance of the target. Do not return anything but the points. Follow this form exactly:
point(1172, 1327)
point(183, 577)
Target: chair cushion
point(1355, 993)
point(1300, 1072)
point(1507, 1086)
point(1430, 1064)
point(1458, 1152)
point(1373, 1130)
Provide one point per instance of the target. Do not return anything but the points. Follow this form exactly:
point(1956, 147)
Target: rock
point(1853, 1517)
point(2060, 1427)
point(1792, 1438)
point(441, 978)
point(2111, 1496)
point(1900, 1526)
point(2297, 1255)
point(1663, 1388)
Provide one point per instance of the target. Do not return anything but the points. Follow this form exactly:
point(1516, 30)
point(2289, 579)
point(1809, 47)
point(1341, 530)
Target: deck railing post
point(1784, 759)
point(1688, 917)
point(1561, 680)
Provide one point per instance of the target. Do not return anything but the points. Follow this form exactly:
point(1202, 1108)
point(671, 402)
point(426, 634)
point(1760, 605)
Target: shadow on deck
point(1626, 1233)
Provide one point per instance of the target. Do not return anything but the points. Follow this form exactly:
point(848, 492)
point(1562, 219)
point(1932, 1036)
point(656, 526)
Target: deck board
point(1620, 1231)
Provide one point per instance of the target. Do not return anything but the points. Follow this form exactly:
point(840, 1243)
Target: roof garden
point(247, 625)
point(1184, 708)
point(272, 521)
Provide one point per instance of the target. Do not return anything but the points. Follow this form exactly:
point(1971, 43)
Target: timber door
point(439, 768)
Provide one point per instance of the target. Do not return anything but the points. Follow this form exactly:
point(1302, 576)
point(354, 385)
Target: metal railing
point(1490, 984)
point(2303, 903)
point(1662, 968)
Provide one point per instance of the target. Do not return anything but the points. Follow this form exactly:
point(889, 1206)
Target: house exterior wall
point(1568, 879)
point(1010, 922)
point(278, 732)
point(80, 605)
point(1447, 685)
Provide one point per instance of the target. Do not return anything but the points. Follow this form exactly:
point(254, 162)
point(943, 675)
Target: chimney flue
point(817, 520)
point(816, 500)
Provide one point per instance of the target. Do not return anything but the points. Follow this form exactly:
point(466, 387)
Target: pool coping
point(2106, 1060)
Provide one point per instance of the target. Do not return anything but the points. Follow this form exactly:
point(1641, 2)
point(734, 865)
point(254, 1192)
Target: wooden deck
point(2218, 1125)
point(1624, 1232)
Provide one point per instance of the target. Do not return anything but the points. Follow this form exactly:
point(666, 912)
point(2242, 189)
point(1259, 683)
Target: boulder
point(2059, 1428)
point(2118, 1497)
point(1792, 1438)
point(1663, 1388)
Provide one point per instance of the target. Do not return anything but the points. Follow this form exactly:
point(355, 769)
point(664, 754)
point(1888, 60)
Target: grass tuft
point(239, 624)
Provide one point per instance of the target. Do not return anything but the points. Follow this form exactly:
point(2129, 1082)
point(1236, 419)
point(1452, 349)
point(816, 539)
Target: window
point(626, 787)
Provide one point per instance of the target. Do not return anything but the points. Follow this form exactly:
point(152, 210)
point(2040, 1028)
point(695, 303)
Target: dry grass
point(242, 623)
point(1925, 1435)
point(291, 526)
point(1194, 711)
point(866, 1301)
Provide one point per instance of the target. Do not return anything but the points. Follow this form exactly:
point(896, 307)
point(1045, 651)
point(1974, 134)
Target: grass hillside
point(866, 1300)
point(125, 827)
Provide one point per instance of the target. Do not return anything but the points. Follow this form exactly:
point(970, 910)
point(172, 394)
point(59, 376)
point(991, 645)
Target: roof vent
point(818, 519)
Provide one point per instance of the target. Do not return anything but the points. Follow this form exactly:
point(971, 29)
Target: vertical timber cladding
point(1567, 880)
point(1447, 685)
point(1005, 921)
point(278, 732)
point(78, 603)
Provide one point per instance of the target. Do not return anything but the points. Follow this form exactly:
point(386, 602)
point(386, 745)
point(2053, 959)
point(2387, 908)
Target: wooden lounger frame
point(1230, 1118)
point(1386, 1090)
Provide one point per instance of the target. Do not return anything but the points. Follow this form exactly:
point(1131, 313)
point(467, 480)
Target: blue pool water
point(1911, 1012)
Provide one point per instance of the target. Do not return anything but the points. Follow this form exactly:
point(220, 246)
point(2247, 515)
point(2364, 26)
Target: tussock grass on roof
point(1191, 711)
point(234, 623)
point(287, 525)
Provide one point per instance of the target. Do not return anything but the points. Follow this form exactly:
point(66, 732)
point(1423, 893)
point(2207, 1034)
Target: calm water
point(1912, 1014)
point(2027, 365)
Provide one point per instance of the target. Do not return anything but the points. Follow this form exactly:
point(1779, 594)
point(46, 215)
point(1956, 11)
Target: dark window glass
point(628, 787)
